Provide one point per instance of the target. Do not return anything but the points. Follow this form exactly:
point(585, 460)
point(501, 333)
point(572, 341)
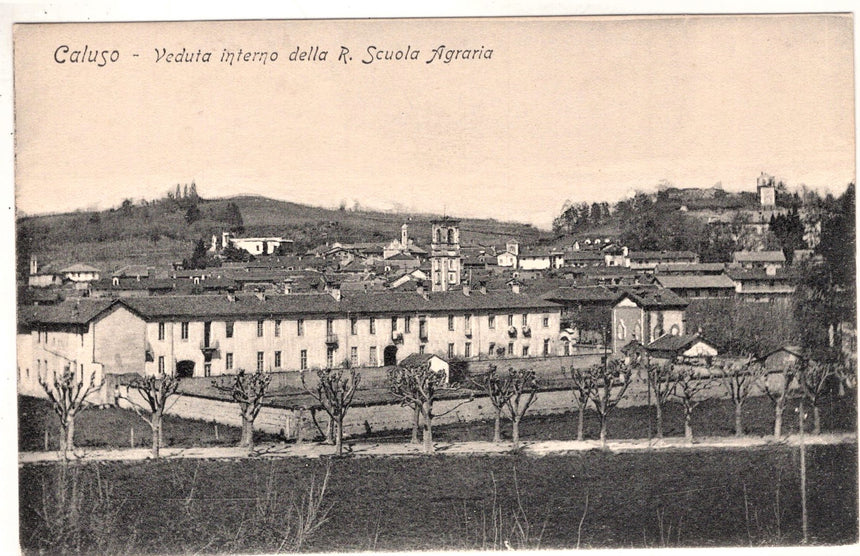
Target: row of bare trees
point(511, 394)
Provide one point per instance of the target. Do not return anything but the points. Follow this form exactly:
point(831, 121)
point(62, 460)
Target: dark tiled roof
point(583, 294)
point(688, 282)
point(660, 255)
point(668, 342)
point(417, 359)
point(740, 274)
point(681, 268)
point(583, 256)
point(79, 311)
point(80, 267)
point(650, 297)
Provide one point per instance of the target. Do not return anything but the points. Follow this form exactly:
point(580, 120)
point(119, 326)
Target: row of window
point(353, 325)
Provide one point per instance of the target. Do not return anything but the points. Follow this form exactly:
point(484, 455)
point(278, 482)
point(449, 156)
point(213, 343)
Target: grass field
point(100, 428)
point(657, 499)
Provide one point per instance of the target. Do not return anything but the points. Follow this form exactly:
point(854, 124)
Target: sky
point(585, 109)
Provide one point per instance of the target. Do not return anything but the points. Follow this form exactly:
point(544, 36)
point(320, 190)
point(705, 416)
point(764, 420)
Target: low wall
point(387, 417)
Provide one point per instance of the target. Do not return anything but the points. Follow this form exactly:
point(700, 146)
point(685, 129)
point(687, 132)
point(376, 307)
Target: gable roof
point(417, 359)
point(696, 282)
point(78, 311)
point(668, 342)
point(80, 267)
point(758, 256)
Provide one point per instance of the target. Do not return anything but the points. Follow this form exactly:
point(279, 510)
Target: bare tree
point(497, 388)
point(249, 391)
point(335, 391)
point(68, 394)
point(523, 385)
point(611, 379)
point(740, 380)
point(154, 392)
point(584, 389)
point(688, 387)
point(813, 376)
point(416, 387)
point(660, 382)
point(778, 394)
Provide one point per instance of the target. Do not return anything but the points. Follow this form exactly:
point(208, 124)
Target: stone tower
point(404, 235)
point(445, 254)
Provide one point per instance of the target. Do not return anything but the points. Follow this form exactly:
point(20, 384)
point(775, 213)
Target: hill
point(159, 232)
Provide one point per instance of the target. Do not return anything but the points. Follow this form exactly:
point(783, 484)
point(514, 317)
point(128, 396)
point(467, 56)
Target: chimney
point(288, 287)
point(231, 295)
point(422, 290)
point(770, 270)
point(483, 288)
point(34, 265)
point(261, 296)
point(515, 286)
point(467, 290)
point(335, 293)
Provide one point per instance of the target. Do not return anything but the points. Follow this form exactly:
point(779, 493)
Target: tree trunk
point(247, 438)
point(777, 419)
point(416, 421)
point(329, 431)
point(580, 425)
point(603, 430)
point(67, 437)
point(688, 425)
point(659, 407)
point(156, 436)
point(338, 435)
point(428, 428)
point(816, 420)
point(515, 432)
point(739, 420)
point(497, 426)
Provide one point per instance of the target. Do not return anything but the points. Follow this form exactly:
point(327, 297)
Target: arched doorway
point(389, 356)
point(185, 369)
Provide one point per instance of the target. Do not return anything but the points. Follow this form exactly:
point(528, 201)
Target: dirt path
point(367, 449)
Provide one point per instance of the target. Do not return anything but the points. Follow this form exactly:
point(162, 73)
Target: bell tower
point(445, 254)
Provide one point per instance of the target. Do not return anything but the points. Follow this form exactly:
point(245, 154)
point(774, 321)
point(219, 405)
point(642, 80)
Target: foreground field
point(594, 499)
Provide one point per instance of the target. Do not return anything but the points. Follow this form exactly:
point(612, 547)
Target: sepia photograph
point(435, 283)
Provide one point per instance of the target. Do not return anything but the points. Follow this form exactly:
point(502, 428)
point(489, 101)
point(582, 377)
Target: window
point(329, 357)
point(300, 327)
point(492, 349)
point(491, 321)
point(161, 364)
point(467, 349)
point(510, 320)
point(407, 324)
point(259, 361)
point(303, 359)
point(373, 362)
point(259, 329)
point(228, 361)
point(468, 322)
point(160, 330)
point(450, 351)
point(277, 359)
point(278, 329)
point(546, 346)
point(422, 328)
point(525, 351)
point(545, 321)
point(183, 330)
point(450, 322)
point(353, 326)
point(353, 356)
point(621, 332)
point(421, 349)
point(510, 348)
point(394, 324)
point(372, 325)
point(228, 328)
point(452, 278)
point(207, 369)
point(525, 319)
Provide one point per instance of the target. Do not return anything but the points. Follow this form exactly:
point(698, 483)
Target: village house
point(758, 259)
point(763, 285)
point(80, 273)
point(698, 286)
point(649, 260)
point(645, 313)
point(539, 259)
